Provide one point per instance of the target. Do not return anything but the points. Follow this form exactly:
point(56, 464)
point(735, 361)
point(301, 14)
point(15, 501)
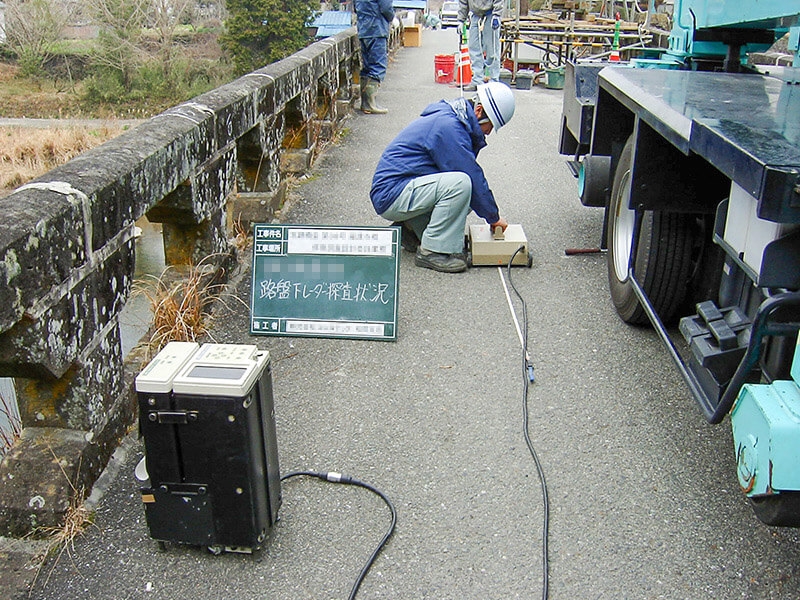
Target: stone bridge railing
point(67, 254)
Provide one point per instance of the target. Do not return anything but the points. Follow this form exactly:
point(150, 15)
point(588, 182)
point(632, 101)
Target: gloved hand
point(495, 22)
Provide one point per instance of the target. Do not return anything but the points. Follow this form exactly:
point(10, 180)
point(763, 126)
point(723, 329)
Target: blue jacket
point(373, 18)
point(446, 137)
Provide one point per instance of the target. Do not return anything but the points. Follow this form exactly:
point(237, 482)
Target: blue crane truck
point(694, 155)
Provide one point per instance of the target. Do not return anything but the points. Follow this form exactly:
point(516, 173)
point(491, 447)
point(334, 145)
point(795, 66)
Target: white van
point(449, 14)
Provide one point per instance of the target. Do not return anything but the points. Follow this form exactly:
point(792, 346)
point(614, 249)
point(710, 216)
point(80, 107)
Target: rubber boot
point(368, 103)
point(363, 84)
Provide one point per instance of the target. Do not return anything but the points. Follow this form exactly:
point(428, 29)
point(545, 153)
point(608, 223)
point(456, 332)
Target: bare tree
point(121, 25)
point(32, 28)
point(166, 15)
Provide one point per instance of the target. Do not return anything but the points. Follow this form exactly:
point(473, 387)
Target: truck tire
point(665, 255)
point(593, 179)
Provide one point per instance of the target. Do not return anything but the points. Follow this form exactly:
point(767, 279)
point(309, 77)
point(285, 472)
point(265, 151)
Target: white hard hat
point(497, 100)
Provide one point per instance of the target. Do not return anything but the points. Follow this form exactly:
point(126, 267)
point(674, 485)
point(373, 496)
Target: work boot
point(444, 263)
point(363, 84)
point(368, 103)
point(408, 238)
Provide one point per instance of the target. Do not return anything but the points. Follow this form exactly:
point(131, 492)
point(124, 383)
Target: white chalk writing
point(337, 291)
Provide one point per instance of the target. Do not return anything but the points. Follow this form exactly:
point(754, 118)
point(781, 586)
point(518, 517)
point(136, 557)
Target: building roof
point(331, 22)
point(410, 4)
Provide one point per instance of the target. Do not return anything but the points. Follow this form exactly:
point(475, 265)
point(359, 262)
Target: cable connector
point(531, 376)
point(335, 477)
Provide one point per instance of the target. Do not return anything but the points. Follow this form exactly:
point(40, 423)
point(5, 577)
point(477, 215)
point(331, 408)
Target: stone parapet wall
point(67, 251)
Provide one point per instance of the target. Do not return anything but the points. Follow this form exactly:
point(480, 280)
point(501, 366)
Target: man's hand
point(495, 22)
point(501, 222)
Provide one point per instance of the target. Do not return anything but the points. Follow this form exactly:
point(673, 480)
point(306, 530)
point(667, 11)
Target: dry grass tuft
point(61, 540)
point(77, 519)
point(241, 236)
point(180, 303)
point(178, 308)
point(10, 435)
point(8, 72)
point(27, 152)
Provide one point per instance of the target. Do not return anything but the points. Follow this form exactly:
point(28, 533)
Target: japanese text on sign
point(325, 281)
point(332, 291)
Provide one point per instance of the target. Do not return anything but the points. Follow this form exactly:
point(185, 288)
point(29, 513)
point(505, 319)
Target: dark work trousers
point(374, 58)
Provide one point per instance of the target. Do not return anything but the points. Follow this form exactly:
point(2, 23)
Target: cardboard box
point(412, 35)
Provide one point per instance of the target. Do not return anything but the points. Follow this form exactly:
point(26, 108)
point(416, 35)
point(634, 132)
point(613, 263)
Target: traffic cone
point(464, 73)
point(614, 57)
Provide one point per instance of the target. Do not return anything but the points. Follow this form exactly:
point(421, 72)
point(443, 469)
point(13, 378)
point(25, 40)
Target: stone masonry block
point(264, 96)
point(37, 479)
point(346, 42)
point(234, 107)
point(322, 56)
point(200, 120)
point(257, 156)
point(178, 148)
point(191, 244)
point(292, 76)
point(47, 346)
point(326, 128)
point(296, 161)
point(342, 109)
point(247, 208)
point(214, 183)
point(125, 176)
point(202, 195)
point(49, 469)
point(42, 240)
point(83, 398)
point(175, 207)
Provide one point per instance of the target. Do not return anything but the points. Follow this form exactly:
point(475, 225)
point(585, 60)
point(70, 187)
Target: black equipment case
point(211, 455)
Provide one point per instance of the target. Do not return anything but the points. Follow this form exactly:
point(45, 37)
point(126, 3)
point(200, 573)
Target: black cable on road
point(344, 479)
point(528, 378)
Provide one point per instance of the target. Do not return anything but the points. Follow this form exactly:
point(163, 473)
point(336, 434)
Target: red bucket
point(444, 67)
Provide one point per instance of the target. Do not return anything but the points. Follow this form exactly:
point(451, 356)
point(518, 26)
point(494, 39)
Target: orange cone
point(614, 57)
point(464, 72)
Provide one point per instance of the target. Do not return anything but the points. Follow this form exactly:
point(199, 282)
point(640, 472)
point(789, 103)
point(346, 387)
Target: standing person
point(428, 177)
point(373, 18)
point(484, 38)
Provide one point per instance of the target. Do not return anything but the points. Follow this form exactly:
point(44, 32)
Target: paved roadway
point(644, 502)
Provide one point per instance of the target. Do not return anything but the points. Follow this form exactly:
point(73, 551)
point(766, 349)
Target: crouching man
point(428, 178)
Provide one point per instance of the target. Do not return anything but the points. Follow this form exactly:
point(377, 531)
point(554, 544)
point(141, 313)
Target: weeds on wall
point(242, 239)
point(61, 539)
point(9, 435)
point(180, 303)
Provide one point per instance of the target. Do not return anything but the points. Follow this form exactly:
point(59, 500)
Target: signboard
point(315, 281)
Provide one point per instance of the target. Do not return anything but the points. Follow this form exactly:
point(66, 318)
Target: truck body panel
point(695, 157)
point(746, 126)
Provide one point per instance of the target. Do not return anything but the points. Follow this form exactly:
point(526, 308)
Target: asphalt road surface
point(644, 502)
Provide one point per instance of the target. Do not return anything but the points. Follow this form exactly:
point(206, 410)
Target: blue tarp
point(410, 4)
point(331, 22)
